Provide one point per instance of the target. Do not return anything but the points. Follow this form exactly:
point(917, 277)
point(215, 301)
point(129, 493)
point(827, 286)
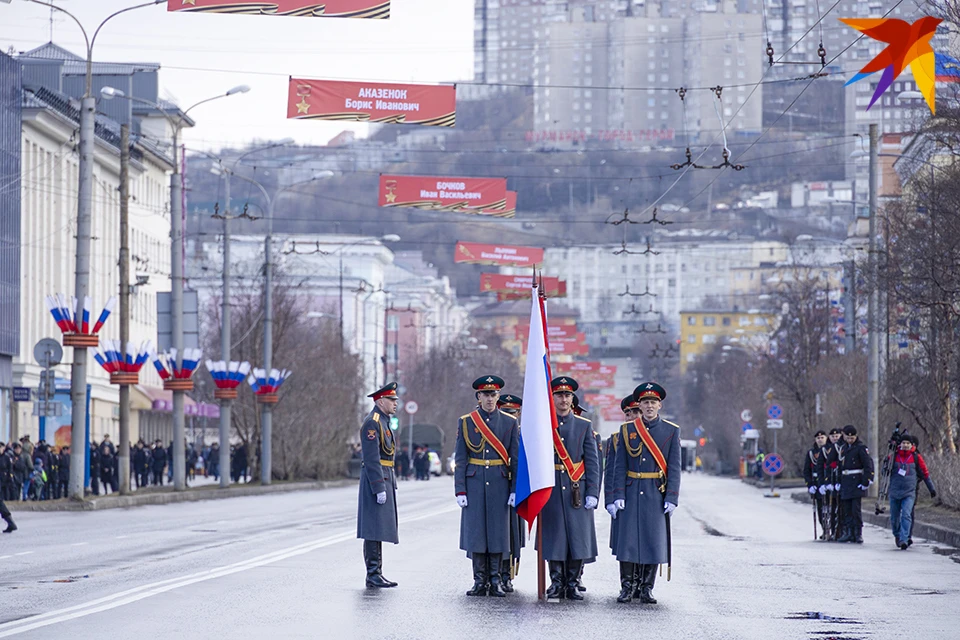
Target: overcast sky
point(202, 55)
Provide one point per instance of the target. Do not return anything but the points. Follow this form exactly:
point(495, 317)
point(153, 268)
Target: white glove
point(612, 510)
point(668, 507)
point(382, 497)
point(836, 487)
point(461, 501)
point(812, 490)
point(823, 489)
point(861, 487)
point(590, 503)
point(828, 487)
point(620, 504)
point(512, 500)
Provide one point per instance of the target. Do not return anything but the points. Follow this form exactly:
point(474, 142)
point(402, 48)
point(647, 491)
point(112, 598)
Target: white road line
point(79, 544)
point(145, 591)
point(23, 553)
point(120, 537)
point(5, 557)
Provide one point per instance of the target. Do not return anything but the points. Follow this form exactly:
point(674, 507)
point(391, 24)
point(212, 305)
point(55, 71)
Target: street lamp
point(177, 122)
point(78, 375)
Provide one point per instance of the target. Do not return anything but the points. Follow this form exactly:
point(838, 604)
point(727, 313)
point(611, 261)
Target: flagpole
point(541, 572)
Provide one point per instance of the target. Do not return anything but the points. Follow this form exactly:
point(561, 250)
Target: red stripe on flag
point(530, 508)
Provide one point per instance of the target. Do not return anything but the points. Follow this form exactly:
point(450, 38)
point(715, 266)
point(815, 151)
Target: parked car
point(435, 468)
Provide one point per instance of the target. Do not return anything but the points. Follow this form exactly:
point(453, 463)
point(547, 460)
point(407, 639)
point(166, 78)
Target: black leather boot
point(573, 574)
point(648, 574)
point(493, 570)
point(390, 583)
point(556, 588)
point(11, 527)
point(580, 586)
point(505, 581)
point(846, 535)
point(626, 581)
point(637, 579)
point(371, 557)
point(479, 575)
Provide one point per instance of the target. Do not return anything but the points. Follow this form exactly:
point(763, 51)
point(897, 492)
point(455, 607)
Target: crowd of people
point(42, 471)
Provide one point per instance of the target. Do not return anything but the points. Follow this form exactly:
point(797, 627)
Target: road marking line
point(120, 537)
point(79, 544)
point(5, 557)
point(145, 591)
point(23, 553)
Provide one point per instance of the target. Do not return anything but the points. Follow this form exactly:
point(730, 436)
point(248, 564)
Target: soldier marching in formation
point(856, 474)
point(646, 490)
point(512, 405)
point(813, 475)
point(569, 536)
point(830, 476)
point(484, 480)
point(377, 510)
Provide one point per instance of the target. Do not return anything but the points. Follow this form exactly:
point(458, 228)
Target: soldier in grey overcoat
point(644, 494)
point(512, 405)
point(569, 533)
point(631, 411)
point(377, 509)
point(484, 482)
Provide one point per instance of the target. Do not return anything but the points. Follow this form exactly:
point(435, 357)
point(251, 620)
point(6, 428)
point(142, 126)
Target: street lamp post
point(78, 375)
point(176, 265)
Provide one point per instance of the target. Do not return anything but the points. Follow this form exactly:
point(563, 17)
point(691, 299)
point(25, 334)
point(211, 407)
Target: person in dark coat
point(646, 490)
point(830, 473)
point(856, 475)
point(512, 405)
point(7, 517)
point(106, 465)
point(377, 502)
point(484, 483)
point(6, 473)
point(403, 464)
point(63, 475)
point(813, 476)
point(22, 467)
point(141, 464)
point(631, 411)
point(569, 533)
point(158, 461)
point(94, 469)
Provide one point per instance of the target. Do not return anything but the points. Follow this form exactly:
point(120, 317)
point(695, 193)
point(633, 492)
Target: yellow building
point(701, 330)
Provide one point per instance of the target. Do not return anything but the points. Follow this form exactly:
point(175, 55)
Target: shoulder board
point(464, 416)
point(587, 420)
point(672, 424)
point(376, 417)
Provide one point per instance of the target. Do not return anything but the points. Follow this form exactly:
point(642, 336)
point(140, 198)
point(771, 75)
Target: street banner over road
point(431, 193)
point(553, 331)
point(509, 210)
point(497, 254)
point(378, 9)
point(520, 285)
point(432, 105)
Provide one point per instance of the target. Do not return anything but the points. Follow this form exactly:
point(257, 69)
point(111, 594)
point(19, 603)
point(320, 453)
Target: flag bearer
point(512, 405)
point(569, 533)
point(646, 490)
point(377, 510)
point(484, 481)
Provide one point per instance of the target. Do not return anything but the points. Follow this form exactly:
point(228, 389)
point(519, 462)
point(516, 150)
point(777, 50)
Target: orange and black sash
point(490, 437)
point(574, 469)
point(651, 445)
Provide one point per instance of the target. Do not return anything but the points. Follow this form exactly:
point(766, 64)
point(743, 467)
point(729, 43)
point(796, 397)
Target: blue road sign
point(773, 464)
point(746, 427)
point(697, 432)
point(21, 394)
point(774, 411)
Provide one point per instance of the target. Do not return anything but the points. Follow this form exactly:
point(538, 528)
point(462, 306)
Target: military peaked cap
point(649, 390)
point(387, 391)
point(488, 383)
point(628, 403)
point(509, 401)
point(564, 383)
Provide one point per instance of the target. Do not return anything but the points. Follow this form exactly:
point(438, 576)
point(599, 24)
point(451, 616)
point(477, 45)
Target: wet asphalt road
point(289, 566)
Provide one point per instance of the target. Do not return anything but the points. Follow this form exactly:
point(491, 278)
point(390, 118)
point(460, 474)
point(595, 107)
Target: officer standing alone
point(377, 508)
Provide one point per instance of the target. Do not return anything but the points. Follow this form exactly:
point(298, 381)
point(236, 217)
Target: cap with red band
point(649, 390)
point(565, 383)
point(388, 391)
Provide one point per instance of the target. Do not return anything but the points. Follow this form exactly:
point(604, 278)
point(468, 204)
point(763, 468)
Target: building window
point(392, 353)
point(672, 282)
point(393, 322)
point(709, 321)
point(709, 339)
point(744, 321)
point(692, 321)
point(726, 321)
point(692, 339)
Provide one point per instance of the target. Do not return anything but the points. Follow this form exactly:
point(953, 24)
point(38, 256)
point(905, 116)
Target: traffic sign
point(774, 424)
point(21, 394)
point(48, 409)
point(746, 426)
point(773, 464)
point(411, 407)
point(746, 416)
point(774, 411)
point(697, 432)
point(48, 352)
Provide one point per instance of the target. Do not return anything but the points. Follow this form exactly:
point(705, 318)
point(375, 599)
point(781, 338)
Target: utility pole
point(176, 309)
point(873, 305)
point(226, 406)
point(123, 462)
point(849, 307)
point(266, 422)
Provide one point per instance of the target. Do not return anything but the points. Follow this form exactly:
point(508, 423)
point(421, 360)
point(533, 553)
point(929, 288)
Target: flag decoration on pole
point(72, 316)
point(535, 472)
point(113, 360)
point(264, 385)
point(166, 364)
point(227, 375)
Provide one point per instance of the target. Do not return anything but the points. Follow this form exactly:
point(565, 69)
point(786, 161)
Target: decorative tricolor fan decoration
point(227, 377)
point(73, 318)
point(175, 379)
point(266, 387)
point(123, 366)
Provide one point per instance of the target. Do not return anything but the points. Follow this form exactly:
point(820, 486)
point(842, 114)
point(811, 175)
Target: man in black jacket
point(812, 475)
point(22, 466)
point(141, 464)
point(856, 475)
point(63, 473)
point(159, 461)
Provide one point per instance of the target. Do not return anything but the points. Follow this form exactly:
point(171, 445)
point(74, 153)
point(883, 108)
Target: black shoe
point(373, 561)
point(11, 527)
point(846, 537)
point(626, 582)
point(909, 542)
point(903, 546)
point(646, 595)
point(493, 570)
point(858, 539)
point(479, 575)
point(580, 586)
point(377, 581)
point(648, 573)
point(390, 583)
point(506, 583)
point(556, 588)
point(574, 567)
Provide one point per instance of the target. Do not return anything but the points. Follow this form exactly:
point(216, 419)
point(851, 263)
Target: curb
point(171, 497)
point(920, 529)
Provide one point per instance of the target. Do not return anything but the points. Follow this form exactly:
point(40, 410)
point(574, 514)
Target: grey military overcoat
point(569, 532)
point(641, 526)
point(377, 521)
point(609, 459)
point(484, 522)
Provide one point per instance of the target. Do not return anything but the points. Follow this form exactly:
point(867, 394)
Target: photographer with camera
point(907, 471)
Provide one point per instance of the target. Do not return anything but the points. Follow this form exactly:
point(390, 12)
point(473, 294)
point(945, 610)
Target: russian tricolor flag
point(535, 472)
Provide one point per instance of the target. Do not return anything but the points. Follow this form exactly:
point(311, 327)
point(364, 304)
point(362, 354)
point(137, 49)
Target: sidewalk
point(930, 521)
point(201, 490)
